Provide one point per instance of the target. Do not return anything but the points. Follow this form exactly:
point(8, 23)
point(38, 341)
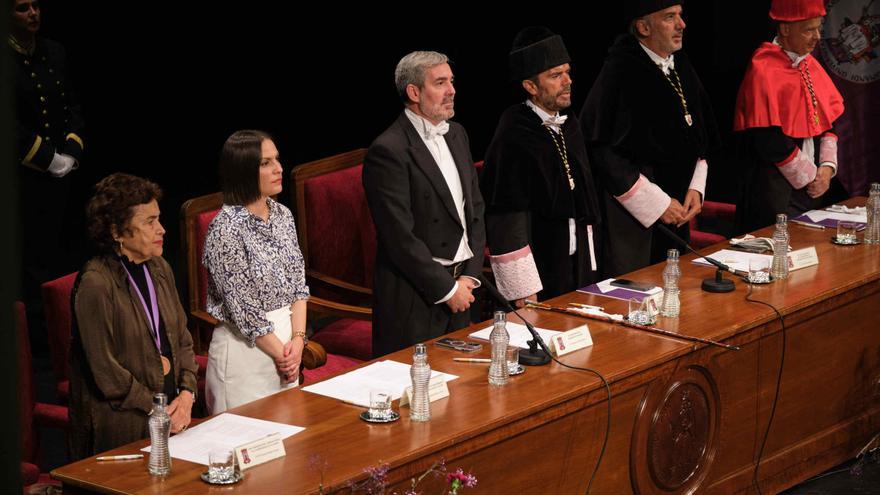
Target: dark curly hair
point(112, 206)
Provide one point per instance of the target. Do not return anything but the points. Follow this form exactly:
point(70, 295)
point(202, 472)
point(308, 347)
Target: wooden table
point(685, 417)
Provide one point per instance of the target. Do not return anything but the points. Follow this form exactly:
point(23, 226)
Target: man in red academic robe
point(785, 113)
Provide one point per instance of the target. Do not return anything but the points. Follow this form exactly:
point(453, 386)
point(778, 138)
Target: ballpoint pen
point(810, 225)
point(127, 457)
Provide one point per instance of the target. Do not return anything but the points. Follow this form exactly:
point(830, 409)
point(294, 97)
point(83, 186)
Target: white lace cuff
point(698, 180)
point(798, 169)
point(645, 201)
point(516, 274)
point(828, 152)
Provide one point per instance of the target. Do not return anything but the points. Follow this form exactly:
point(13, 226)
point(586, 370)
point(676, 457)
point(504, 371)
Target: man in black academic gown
point(424, 196)
point(541, 205)
point(649, 127)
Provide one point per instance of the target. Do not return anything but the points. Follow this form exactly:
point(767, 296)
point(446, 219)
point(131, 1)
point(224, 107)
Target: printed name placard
point(570, 341)
point(437, 389)
point(803, 258)
point(259, 451)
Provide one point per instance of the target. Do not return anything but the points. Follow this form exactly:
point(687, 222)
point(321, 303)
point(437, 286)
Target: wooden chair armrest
point(339, 310)
point(341, 287)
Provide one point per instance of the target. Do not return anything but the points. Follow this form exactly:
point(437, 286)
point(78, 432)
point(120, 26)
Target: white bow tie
point(555, 120)
point(666, 65)
point(434, 131)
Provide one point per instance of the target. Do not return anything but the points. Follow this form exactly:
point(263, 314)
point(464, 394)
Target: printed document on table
point(354, 387)
point(519, 334)
point(738, 260)
point(225, 431)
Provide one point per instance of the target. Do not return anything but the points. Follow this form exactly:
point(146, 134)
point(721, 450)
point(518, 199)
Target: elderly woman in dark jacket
point(130, 339)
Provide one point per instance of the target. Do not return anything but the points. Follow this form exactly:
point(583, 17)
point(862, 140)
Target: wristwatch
point(301, 334)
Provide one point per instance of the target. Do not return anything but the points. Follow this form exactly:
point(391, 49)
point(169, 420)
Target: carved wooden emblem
point(678, 439)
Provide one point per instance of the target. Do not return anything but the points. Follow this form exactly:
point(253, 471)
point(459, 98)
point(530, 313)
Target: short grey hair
point(411, 70)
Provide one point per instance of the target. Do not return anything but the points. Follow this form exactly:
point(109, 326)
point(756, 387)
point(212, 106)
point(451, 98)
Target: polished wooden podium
point(685, 417)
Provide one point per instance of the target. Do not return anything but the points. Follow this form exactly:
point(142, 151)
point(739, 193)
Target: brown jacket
point(115, 366)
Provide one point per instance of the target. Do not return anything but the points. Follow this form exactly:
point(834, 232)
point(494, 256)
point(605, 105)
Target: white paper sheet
point(605, 287)
point(738, 260)
point(354, 387)
point(225, 431)
point(819, 215)
point(518, 332)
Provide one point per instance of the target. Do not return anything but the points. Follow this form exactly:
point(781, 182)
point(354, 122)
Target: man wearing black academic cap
point(649, 127)
point(540, 201)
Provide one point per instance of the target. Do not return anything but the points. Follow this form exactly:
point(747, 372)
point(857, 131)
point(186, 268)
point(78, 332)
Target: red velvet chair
point(715, 217)
point(338, 242)
point(56, 301)
point(195, 218)
point(32, 414)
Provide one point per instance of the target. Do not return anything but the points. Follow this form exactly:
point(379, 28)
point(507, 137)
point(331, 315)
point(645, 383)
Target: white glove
point(61, 165)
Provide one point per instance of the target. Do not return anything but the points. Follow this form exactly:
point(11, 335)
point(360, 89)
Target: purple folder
point(616, 293)
point(828, 223)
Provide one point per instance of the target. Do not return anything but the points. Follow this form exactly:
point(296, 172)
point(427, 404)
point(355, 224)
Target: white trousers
point(238, 374)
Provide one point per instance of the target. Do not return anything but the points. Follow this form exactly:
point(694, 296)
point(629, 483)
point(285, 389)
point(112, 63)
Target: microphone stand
point(533, 356)
point(718, 284)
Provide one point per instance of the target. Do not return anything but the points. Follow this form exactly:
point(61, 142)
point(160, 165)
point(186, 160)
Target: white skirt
point(238, 374)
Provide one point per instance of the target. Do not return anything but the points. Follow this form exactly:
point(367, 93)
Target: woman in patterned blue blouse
point(256, 284)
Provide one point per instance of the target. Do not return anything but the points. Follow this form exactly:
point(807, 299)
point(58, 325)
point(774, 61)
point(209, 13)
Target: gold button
point(33, 74)
point(48, 138)
point(46, 125)
point(27, 62)
point(39, 86)
point(57, 83)
point(45, 112)
point(51, 71)
point(43, 99)
point(63, 94)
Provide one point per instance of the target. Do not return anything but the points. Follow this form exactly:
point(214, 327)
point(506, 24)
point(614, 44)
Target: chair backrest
point(195, 217)
point(26, 396)
point(336, 231)
point(56, 305)
point(713, 224)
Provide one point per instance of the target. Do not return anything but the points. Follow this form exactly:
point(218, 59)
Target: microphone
point(719, 283)
point(534, 356)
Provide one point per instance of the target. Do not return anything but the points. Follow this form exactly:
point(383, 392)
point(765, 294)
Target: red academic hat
point(796, 10)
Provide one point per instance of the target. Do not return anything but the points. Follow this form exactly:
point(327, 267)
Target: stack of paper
point(604, 288)
point(354, 387)
point(519, 334)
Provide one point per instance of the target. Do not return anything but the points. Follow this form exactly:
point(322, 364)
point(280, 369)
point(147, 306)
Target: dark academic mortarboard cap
point(536, 49)
point(645, 7)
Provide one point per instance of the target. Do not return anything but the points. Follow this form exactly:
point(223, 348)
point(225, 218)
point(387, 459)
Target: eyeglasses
point(27, 6)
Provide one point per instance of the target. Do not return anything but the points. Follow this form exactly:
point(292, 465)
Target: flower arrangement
point(377, 479)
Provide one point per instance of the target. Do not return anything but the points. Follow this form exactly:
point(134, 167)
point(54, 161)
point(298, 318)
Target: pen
point(127, 457)
point(472, 360)
point(811, 225)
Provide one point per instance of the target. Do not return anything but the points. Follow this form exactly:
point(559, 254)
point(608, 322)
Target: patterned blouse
point(254, 267)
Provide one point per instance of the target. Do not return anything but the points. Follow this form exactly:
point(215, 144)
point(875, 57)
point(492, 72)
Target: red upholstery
point(341, 236)
point(348, 337)
point(56, 303)
point(32, 414)
point(203, 221)
point(712, 215)
point(335, 364)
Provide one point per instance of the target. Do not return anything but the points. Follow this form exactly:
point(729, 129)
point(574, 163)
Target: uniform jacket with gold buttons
point(48, 117)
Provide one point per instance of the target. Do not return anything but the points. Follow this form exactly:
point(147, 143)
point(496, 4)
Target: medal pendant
point(688, 119)
point(815, 119)
point(166, 365)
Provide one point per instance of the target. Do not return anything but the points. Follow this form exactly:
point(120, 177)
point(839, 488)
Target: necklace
point(808, 81)
point(676, 85)
point(563, 153)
